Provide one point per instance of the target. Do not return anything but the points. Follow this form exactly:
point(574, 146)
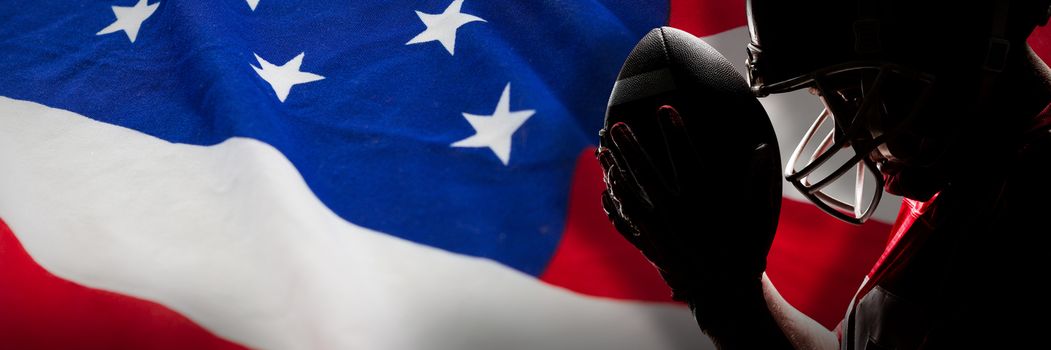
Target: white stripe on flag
point(230, 236)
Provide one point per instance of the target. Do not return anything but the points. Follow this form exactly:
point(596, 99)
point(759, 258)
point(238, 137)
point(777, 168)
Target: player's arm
point(801, 330)
point(739, 318)
point(762, 320)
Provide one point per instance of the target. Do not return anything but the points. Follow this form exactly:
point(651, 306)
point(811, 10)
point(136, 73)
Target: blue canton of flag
point(454, 124)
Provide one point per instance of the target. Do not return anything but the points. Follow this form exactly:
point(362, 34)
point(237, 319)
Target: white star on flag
point(130, 18)
point(443, 26)
point(495, 131)
point(252, 4)
point(282, 78)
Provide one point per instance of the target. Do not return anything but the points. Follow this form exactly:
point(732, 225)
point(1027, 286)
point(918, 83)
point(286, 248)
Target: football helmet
point(900, 80)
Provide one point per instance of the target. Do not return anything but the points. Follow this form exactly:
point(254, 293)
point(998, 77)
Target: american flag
point(347, 175)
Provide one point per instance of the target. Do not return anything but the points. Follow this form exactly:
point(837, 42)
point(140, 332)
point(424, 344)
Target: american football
point(725, 122)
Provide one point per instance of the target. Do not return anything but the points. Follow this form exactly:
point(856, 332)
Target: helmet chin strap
point(996, 60)
point(997, 51)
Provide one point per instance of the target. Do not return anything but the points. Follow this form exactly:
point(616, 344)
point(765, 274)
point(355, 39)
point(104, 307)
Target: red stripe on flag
point(707, 17)
point(39, 310)
point(592, 257)
point(817, 262)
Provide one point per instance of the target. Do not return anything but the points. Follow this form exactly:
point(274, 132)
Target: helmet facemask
point(866, 104)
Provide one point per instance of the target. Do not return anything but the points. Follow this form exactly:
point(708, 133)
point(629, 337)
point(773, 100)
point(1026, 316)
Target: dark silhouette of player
point(941, 102)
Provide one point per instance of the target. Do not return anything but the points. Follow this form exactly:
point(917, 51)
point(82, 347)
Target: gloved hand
point(708, 238)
